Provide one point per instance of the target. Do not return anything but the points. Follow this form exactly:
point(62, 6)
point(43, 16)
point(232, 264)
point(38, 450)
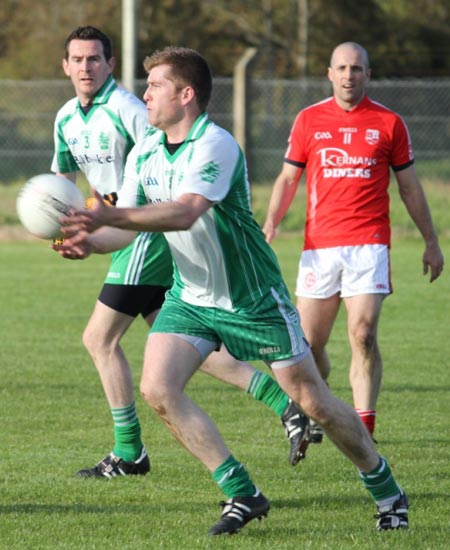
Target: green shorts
point(269, 332)
point(146, 261)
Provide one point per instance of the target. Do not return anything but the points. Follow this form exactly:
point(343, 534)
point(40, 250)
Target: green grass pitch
point(54, 420)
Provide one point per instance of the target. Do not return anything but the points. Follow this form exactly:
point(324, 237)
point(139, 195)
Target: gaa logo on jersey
point(372, 136)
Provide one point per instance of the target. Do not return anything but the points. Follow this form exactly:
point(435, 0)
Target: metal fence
point(28, 108)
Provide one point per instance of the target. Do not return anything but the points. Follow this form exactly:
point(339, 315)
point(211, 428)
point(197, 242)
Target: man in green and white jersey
point(189, 181)
point(203, 266)
point(94, 132)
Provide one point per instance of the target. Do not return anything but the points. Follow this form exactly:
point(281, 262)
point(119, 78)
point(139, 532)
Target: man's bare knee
point(158, 397)
point(315, 408)
point(363, 338)
point(97, 343)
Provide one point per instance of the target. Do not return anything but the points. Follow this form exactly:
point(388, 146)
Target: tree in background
point(294, 37)
point(32, 33)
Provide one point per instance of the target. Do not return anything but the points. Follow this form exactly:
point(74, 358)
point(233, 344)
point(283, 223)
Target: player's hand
point(269, 231)
point(87, 220)
point(77, 247)
point(433, 261)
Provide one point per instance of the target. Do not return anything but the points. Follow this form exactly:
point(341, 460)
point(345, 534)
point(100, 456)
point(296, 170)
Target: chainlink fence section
point(28, 108)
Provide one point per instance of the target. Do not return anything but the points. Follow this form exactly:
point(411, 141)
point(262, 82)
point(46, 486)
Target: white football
point(43, 200)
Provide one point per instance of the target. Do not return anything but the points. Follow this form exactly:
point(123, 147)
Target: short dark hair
point(89, 33)
point(189, 68)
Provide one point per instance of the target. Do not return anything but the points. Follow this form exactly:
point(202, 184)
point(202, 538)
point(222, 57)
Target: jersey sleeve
point(210, 171)
point(133, 114)
point(128, 196)
point(402, 151)
point(63, 161)
point(296, 150)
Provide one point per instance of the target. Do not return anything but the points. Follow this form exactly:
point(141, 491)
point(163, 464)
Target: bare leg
point(224, 367)
point(102, 337)
point(317, 318)
point(366, 364)
point(340, 422)
point(169, 363)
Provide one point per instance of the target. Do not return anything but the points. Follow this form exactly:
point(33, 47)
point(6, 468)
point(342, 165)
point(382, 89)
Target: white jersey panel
point(197, 253)
point(201, 265)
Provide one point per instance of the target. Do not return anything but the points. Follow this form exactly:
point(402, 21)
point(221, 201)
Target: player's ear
point(112, 63)
point(330, 74)
point(188, 93)
point(65, 66)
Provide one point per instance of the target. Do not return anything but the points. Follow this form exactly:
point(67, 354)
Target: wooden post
point(240, 112)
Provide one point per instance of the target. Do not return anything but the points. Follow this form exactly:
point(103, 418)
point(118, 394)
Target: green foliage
point(54, 419)
point(33, 37)
point(294, 37)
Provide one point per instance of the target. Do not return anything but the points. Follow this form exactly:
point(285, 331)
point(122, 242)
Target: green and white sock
point(264, 388)
point(233, 479)
point(380, 482)
point(127, 433)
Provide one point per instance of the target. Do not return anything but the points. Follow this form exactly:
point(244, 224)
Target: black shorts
point(133, 300)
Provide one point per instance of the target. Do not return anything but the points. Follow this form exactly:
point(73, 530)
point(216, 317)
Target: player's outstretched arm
point(177, 215)
point(103, 241)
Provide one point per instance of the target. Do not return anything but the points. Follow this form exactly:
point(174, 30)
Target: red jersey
point(348, 156)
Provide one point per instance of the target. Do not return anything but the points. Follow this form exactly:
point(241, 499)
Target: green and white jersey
point(223, 261)
point(97, 143)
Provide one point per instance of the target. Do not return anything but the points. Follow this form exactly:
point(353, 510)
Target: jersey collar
point(103, 95)
point(361, 105)
point(197, 130)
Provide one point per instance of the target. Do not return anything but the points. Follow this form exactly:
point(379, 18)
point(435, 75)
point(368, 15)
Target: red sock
point(368, 419)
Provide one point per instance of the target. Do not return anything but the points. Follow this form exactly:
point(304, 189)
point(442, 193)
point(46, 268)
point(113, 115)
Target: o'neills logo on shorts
point(265, 351)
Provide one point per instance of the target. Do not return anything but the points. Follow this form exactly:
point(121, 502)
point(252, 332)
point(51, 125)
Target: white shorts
point(348, 270)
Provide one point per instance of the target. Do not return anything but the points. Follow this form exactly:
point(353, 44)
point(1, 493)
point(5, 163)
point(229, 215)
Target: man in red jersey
point(348, 143)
